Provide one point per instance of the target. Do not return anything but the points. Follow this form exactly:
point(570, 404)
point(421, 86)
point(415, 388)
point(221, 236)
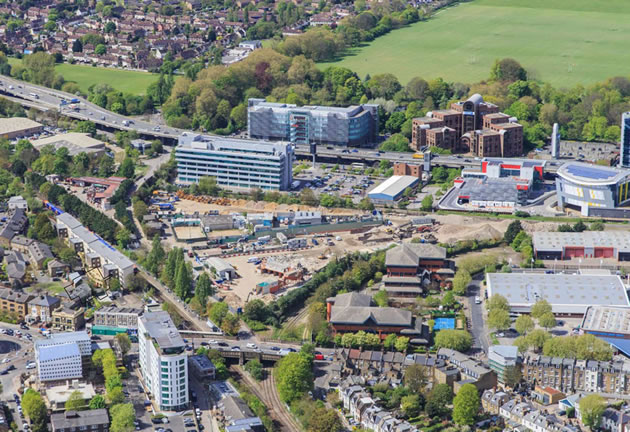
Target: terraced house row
point(571, 375)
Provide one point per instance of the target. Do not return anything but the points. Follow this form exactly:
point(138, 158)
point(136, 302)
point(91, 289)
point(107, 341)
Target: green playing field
point(563, 42)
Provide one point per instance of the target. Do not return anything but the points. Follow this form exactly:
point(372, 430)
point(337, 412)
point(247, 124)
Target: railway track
point(266, 392)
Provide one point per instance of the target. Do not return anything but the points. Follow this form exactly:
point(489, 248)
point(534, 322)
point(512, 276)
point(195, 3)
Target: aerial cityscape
point(335, 216)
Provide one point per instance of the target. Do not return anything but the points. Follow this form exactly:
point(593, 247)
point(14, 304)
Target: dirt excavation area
point(244, 206)
point(243, 288)
point(453, 228)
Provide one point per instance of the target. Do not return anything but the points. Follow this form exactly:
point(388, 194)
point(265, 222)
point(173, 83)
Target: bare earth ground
point(188, 207)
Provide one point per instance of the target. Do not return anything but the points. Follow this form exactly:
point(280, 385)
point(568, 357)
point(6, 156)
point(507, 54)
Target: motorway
point(45, 98)
point(48, 98)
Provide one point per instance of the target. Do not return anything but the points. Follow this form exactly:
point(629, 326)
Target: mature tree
point(122, 418)
point(412, 405)
point(217, 312)
point(123, 341)
point(381, 298)
point(461, 281)
point(524, 324)
point(231, 324)
point(513, 229)
point(499, 319)
point(204, 288)
point(497, 301)
point(98, 401)
point(115, 395)
point(438, 400)
point(41, 68)
point(547, 320)
point(257, 310)
point(390, 341)
point(591, 409)
point(512, 375)
point(127, 168)
point(156, 256)
point(294, 377)
point(75, 401)
point(324, 420)
point(401, 344)
point(508, 69)
point(537, 338)
point(416, 378)
point(255, 369)
point(448, 301)
point(540, 308)
point(183, 279)
point(466, 405)
point(459, 340)
point(427, 203)
point(35, 409)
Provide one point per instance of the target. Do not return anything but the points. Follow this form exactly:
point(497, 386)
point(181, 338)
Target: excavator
point(324, 254)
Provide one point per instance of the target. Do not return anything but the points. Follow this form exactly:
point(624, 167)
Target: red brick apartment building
point(470, 126)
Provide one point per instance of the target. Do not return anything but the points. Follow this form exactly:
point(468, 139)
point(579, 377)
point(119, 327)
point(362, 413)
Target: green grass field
point(563, 42)
point(123, 80)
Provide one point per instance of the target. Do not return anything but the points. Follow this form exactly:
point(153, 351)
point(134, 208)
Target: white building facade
point(81, 338)
point(163, 361)
point(59, 362)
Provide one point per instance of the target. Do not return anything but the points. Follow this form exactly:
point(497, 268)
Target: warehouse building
point(19, 127)
point(568, 294)
point(588, 244)
point(609, 323)
point(392, 189)
point(588, 187)
point(235, 163)
point(75, 142)
point(351, 126)
point(491, 193)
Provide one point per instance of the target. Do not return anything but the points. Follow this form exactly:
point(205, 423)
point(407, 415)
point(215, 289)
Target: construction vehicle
point(324, 254)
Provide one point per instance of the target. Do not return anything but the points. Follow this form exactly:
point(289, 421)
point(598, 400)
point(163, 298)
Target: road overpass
point(44, 98)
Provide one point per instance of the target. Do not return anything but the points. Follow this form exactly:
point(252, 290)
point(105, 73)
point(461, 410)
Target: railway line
point(267, 393)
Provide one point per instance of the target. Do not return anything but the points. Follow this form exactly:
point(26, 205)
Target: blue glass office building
point(235, 163)
point(624, 153)
point(352, 126)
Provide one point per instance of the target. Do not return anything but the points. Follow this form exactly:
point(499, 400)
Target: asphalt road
point(50, 98)
point(478, 327)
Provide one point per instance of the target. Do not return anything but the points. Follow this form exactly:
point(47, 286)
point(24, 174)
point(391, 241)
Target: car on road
point(236, 348)
point(477, 300)
point(274, 348)
point(252, 346)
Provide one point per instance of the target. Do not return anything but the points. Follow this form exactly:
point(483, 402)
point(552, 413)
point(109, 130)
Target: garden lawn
point(127, 81)
point(563, 42)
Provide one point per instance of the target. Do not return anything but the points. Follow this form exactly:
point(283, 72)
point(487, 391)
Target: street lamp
point(555, 260)
point(580, 264)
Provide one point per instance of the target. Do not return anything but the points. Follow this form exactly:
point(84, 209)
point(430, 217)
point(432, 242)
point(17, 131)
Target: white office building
point(235, 163)
point(80, 338)
point(58, 362)
point(163, 361)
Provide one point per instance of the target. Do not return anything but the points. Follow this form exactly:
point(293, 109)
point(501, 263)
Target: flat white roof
point(607, 319)
point(16, 124)
point(394, 185)
point(567, 293)
point(556, 241)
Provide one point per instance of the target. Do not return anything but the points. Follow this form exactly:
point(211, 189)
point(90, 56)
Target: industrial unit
point(588, 244)
point(609, 323)
point(392, 189)
point(568, 294)
point(501, 183)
